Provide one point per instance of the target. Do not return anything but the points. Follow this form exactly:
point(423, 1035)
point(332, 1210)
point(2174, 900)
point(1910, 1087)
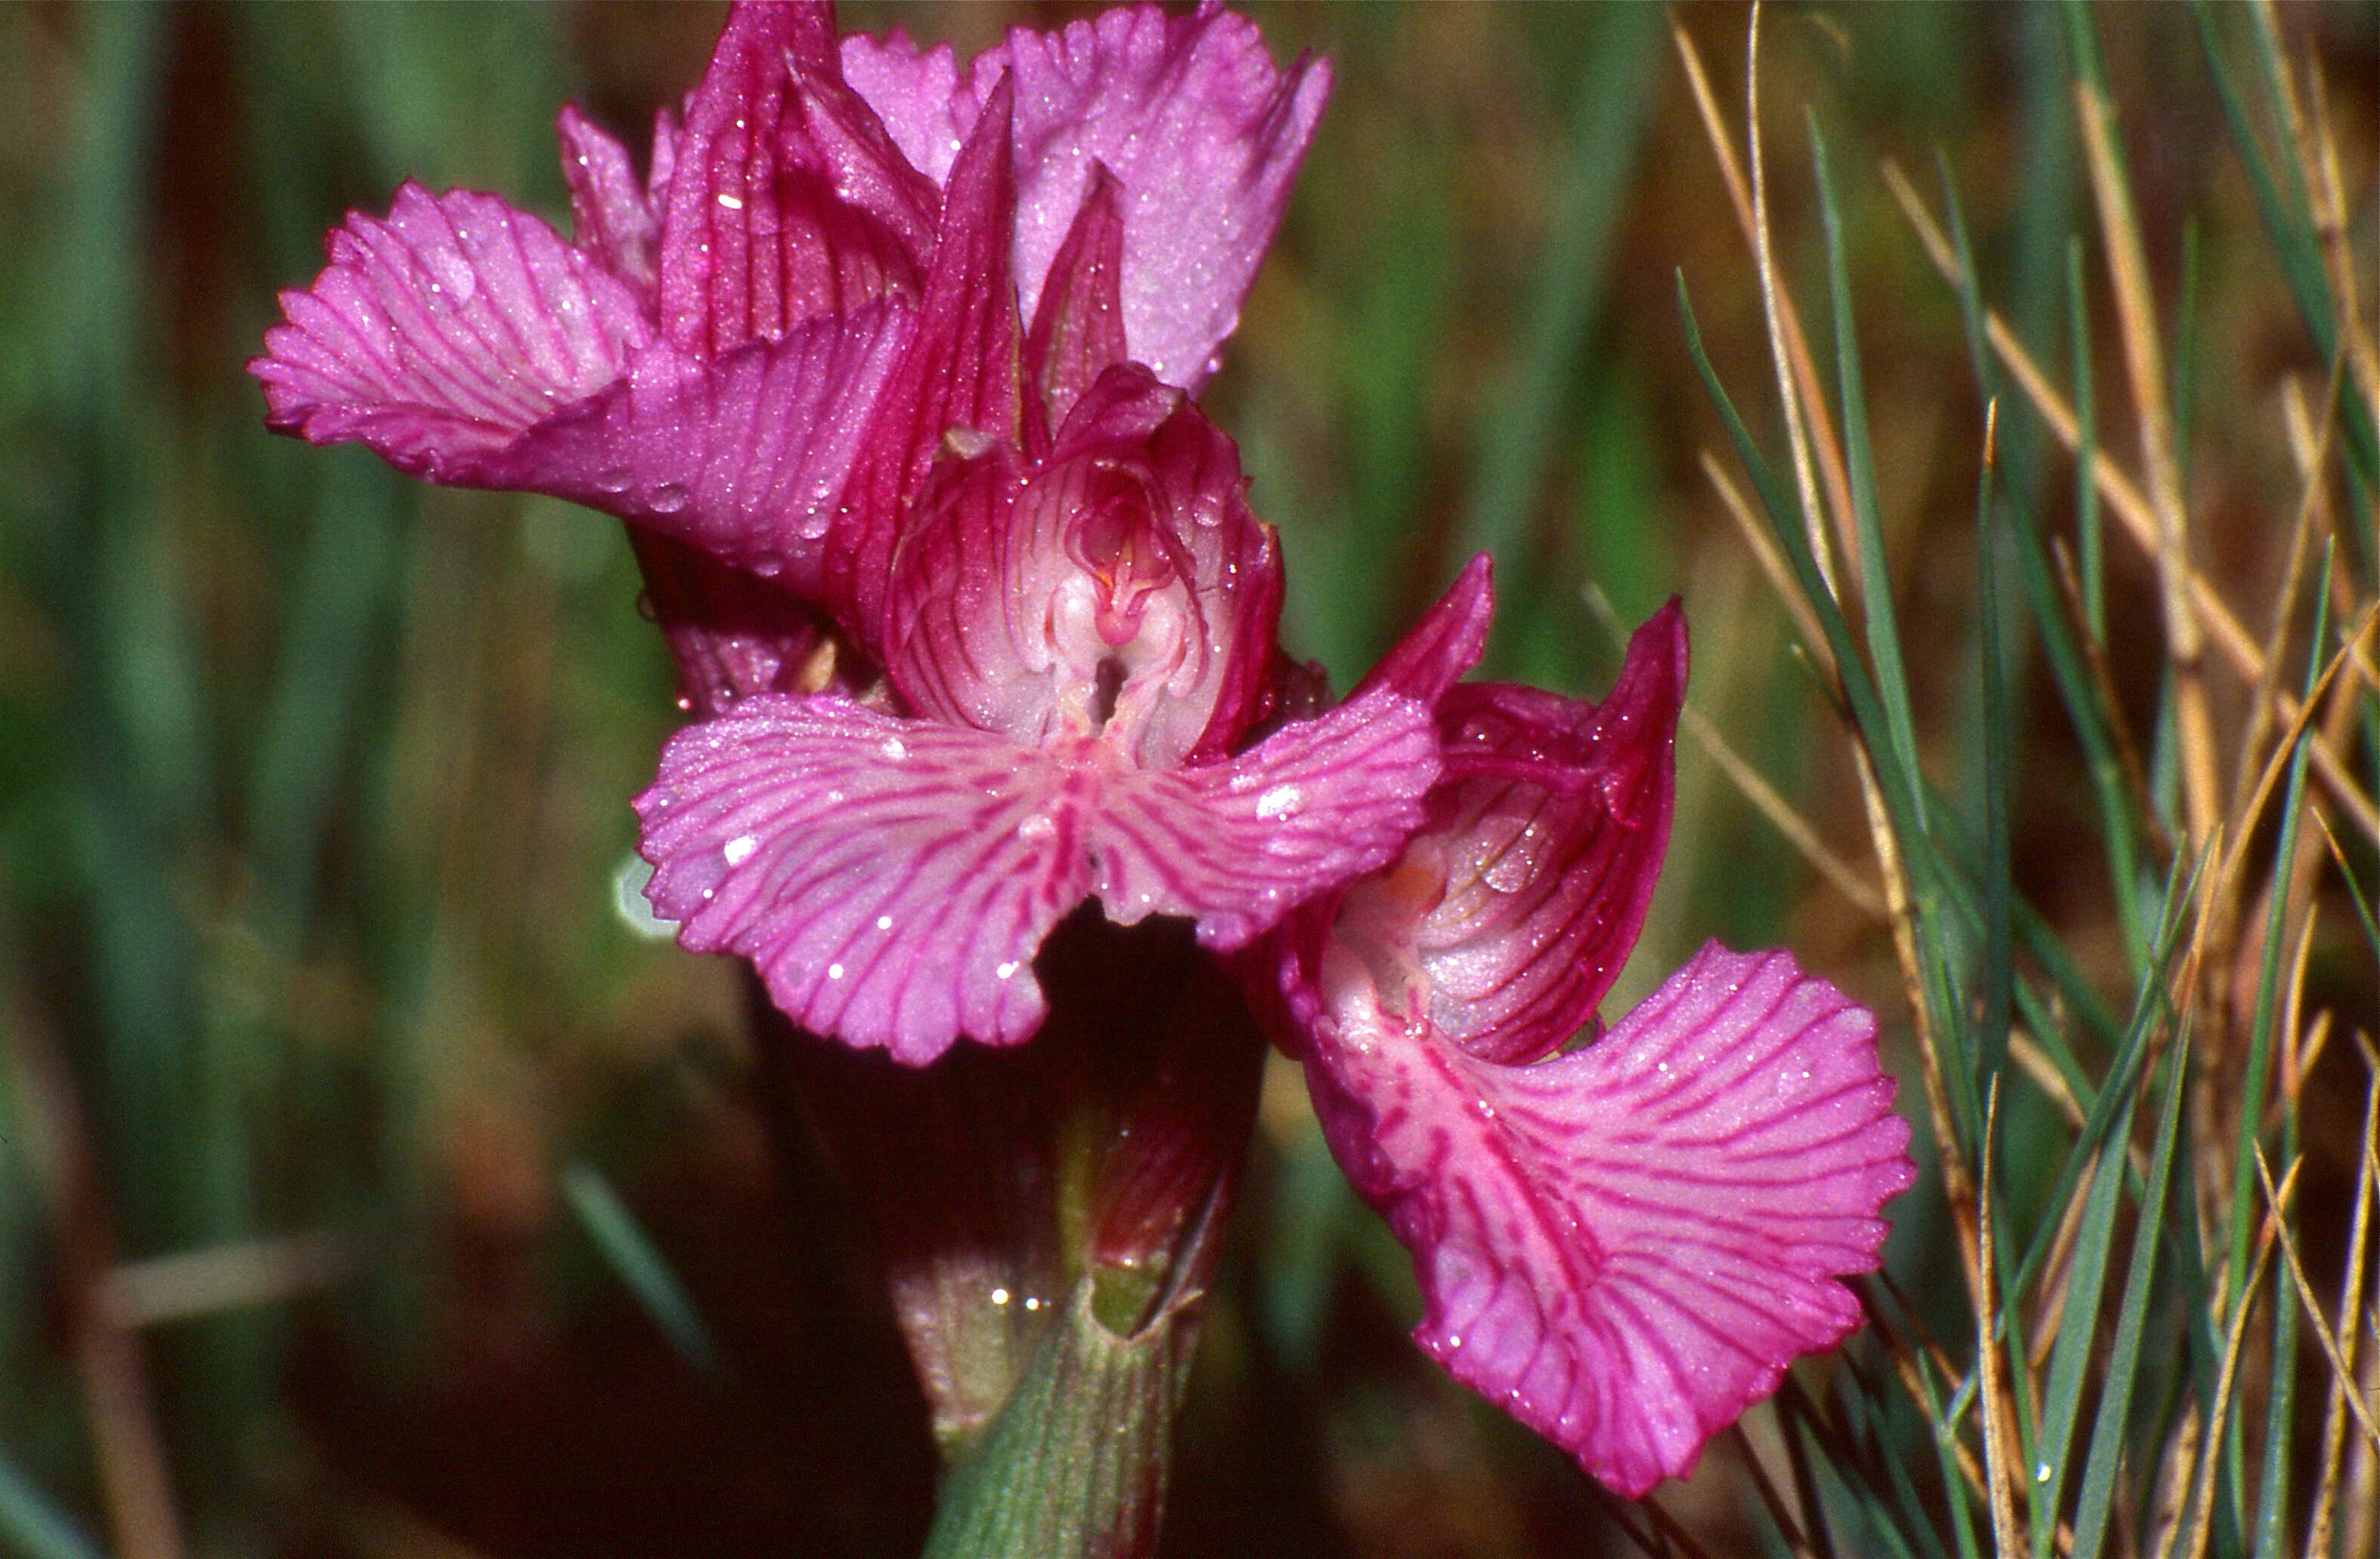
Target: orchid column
point(1029, 831)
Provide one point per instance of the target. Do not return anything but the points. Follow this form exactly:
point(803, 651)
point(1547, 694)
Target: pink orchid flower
point(1624, 1244)
point(889, 363)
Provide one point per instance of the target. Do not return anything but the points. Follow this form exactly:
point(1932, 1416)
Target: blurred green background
point(373, 1183)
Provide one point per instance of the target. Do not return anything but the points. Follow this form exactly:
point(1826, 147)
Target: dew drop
point(885, 922)
point(1037, 827)
point(668, 498)
point(1032, 1302)
point(894, 750)
point(739, 849)
point(614, 478)
point(1000, 1296)
point(814, 522)
point(834, 972)
point(768, 565)
point(1280, 801)
point(730, 201)
point(1006, 970)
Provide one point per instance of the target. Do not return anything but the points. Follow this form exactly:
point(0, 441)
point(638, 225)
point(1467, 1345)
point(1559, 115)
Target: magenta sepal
point(892, 879)
point(1187, 112)
point(1624, 1246)
point(442, 335)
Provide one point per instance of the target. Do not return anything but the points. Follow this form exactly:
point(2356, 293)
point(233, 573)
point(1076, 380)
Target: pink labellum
point(1625, 1246)
point(892, 879)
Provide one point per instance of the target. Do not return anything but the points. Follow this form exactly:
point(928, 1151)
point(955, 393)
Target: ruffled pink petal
point(1237, 845)
point(746, 454)
point(1189, 113)
point(787, 200)
point(915, 91)
point(439, 335)
point(1625, 1246)
point(1560, 812)
point(613, 221)
point(1446, 642)
point(892, 879)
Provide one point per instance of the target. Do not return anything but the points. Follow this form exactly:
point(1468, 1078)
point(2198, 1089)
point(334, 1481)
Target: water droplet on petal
point(768, 565)
point(834, 972)
point(885, 922)
point(1280, 801)
point(1005, 971)
point(1037, 827)
point(739, 849)
point(894, 749)
point(617, 479)
point(668, 498)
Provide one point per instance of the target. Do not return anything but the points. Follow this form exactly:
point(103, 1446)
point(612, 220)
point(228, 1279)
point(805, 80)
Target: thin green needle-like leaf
point(32, 1526)
point(2078, 1325)
point(2095, 1501)
point(639, 1264)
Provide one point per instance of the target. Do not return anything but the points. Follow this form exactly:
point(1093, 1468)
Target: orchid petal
point(1188, 112)
point(1446, 642)
point(892, 879)
point(960, 371)
point(1078, 331)
point(438, 337)
point(1239, 844)
point(745, 455)
point(613, 221)
point(1560, 813)
point(765, 224)
point(1625, 1246)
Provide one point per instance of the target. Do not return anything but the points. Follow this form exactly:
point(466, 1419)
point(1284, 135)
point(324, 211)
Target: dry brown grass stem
point(129, 1448)
point(2332, 1343)
point(2057, 1272)
point(2234, 859)
point(2145, 363)
point(2126, 501)
point(2310, 449)
point(1825, 446)
point(1764, 249)
point(1772, 562)
point(2002, 1462)
point(1906, 1365)
point(1763, 796)
point(2310, 140)
point(2210, 1443)
point(2351, 1293)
